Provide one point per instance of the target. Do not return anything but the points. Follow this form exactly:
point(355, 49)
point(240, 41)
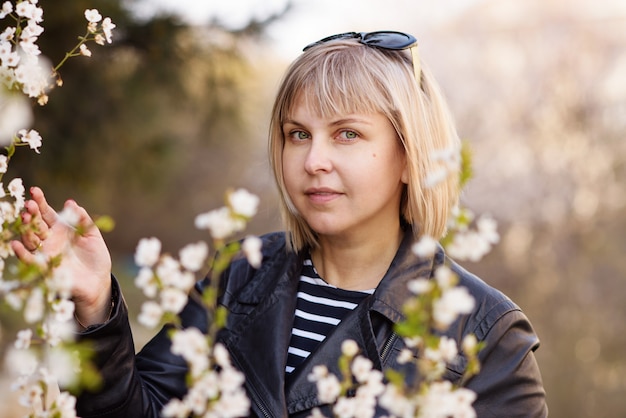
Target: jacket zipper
point(254, 394)
point(257, 401)
point(387, 346)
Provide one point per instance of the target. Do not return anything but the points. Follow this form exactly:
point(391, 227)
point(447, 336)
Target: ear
point(404, 177)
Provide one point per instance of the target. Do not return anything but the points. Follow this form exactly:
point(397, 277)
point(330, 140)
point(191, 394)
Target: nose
point(318, 158)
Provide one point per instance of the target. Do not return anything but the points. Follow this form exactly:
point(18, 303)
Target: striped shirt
point(319, 308)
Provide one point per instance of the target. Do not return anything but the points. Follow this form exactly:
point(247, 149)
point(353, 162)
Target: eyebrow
point(333, 123)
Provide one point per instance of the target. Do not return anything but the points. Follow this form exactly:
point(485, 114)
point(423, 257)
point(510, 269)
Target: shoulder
point(251, 283)
point(493, 309)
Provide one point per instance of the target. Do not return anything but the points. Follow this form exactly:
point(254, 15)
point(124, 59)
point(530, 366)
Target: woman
point(356, 125)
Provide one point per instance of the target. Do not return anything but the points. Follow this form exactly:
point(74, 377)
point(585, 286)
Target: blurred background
point(154, 128)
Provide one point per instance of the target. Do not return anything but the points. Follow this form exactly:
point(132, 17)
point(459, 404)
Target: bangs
point(343, 82)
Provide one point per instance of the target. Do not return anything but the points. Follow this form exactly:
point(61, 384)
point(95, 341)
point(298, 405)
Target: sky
point(310, 20)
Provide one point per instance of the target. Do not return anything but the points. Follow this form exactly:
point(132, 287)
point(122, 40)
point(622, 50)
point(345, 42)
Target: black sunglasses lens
point(389, 40)
point(379, 39)
point(346, 35)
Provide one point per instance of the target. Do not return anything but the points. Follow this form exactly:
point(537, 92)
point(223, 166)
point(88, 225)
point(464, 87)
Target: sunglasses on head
point(384, 39)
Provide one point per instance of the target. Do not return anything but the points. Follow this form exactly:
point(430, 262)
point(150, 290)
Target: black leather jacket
point(261, 306)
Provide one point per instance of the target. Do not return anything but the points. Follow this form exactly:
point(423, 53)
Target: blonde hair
point(345, 76)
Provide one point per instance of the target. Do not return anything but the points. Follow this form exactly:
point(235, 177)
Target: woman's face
point(344, 174)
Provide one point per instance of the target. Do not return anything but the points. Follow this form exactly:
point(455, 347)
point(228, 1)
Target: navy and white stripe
point(319, 308)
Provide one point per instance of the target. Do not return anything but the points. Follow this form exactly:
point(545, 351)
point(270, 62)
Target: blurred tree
point(150, 128)
point(542, 96)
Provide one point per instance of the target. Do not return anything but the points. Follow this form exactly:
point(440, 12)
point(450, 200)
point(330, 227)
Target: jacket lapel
point(258, 340)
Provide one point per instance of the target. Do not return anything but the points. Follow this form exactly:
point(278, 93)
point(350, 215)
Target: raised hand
point(84, 255)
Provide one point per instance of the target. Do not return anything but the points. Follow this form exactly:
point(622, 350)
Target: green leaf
point(466, 164)
point(105, 223)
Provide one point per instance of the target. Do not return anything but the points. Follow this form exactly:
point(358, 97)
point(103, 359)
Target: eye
point(298, 136)
point(347, 135)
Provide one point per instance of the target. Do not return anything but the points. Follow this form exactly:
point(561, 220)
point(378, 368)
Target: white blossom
point(16, 111)
point(221, 356)
point(196, 401)
point(32, 397)
point(55, 332)
point(192, 345)
point(24, 9)
point(374, 385)
point(168, 269)
point(20, 362)
point(425, 247)
point(435, 177)
point(175, 408)
point(328, 388)
point(7, 34)
point(60, 284)
point(16, 188)
point(65, 404)
point(345, 408)
point(146, 281)
point(320, 371)
point(23, 339)
point(420, 286)
point(316, 413)
point(233, 405)
point(64, 366)
point(107, 28)
point(231, 379)
point(361, 368)
point(32, 72)
point(93, 15)
point(31, 31)
point(219, 223)
point(173, 300)
point(442, 400)
point(446, 351)
point(396, 403)
point(34, 309)
point(147, 252)
point(243, 203)
point(469, 343)
point(151, 313)
point(84, 51)
point(7, 8)
point(69, 216)
point(64, 310)
point(8, 56)
point(445, 277)
point(488, 229)
point(349, 348)
point(193, 256)
point(453, 302)
point(251, 247)
point(405, 356)
point(100, 39)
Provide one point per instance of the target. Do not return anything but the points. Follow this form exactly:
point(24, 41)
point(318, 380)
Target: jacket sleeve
point(133, 386)
point(509, 383)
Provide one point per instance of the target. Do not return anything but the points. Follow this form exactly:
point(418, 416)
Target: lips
point(321, 194)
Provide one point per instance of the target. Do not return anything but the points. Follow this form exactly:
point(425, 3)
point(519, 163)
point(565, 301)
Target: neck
point(356, 264)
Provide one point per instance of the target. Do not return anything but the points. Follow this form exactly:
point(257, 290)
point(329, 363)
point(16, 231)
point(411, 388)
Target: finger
point(29, 238)
point(77, 217)
point(32, 216)
point(22, 253)
point(48, 214)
